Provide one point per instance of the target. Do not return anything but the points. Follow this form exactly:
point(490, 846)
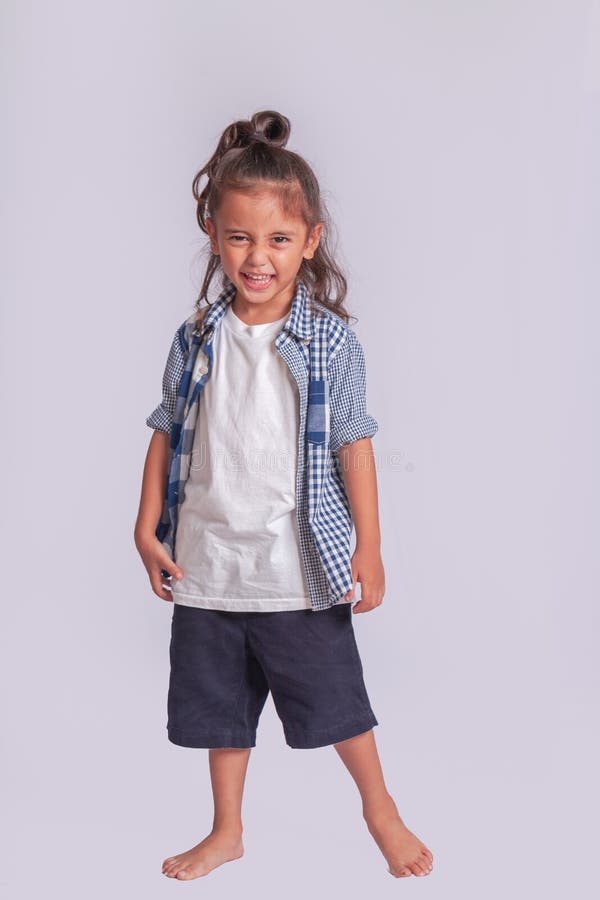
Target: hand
point(367, 568)
point(155, 559)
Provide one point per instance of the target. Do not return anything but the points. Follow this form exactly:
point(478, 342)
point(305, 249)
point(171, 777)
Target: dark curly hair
point(251, 151)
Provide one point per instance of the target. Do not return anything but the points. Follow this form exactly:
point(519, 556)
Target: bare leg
point(403, 851)
point(228, 768)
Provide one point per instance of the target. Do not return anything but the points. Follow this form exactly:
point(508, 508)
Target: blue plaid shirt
point(327, 362)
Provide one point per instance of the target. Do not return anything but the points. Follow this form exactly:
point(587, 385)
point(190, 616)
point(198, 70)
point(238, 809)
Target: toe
point(172, 868)
point(426, 860)
point(400, 872)
point(184, 874)
point(427, 854)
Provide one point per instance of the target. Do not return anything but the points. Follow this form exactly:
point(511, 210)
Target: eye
point(279, 238)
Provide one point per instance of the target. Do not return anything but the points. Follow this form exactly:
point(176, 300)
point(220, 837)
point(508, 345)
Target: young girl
point(259, 465)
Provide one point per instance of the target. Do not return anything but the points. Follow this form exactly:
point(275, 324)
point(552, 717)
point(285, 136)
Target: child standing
point(259, 465)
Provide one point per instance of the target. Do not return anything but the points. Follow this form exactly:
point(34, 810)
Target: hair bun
point(259, 136)
point(269, 127)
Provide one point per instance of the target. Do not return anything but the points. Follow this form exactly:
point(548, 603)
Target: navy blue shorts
point(223, 665)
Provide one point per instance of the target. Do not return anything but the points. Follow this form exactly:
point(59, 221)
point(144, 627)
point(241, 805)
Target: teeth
point(257, 277)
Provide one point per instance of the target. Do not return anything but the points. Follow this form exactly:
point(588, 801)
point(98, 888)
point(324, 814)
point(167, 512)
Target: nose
point(258, 256)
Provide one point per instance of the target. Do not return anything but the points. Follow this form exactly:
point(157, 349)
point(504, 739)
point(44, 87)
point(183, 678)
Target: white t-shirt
point(237, 539)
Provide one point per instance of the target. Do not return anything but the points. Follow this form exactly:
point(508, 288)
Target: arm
point(153, 487)
point(154, 556)
point(153, 553)
point(358, 468)
point(351, 431)
point(360, 477)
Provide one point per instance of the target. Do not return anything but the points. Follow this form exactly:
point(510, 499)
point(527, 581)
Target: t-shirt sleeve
point(349, 419)
point(161, 418)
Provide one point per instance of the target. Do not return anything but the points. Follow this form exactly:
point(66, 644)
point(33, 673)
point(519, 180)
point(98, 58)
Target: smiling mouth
point(257, 280)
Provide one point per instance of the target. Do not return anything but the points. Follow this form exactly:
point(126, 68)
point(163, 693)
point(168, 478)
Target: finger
point(372, 597)
point(169, 568)
point(363, 606)
point(159, 588)
point(350, 593)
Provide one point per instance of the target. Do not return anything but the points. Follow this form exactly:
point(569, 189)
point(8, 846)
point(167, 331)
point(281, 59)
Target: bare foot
point(403, 851)
point(218, 847)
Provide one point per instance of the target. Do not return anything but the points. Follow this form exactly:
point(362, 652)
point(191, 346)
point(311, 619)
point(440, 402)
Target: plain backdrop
point(457, 146)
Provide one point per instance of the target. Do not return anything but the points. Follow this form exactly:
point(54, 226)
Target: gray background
point(457, 145)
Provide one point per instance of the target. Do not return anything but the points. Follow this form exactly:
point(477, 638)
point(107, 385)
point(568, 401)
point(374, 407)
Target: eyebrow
point(277, 231)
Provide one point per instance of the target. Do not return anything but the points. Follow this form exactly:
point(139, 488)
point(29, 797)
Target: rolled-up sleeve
point(349, 419)
point(161, 418)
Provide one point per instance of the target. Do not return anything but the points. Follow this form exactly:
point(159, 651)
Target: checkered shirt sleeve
point(161, 418)
point(349, 419)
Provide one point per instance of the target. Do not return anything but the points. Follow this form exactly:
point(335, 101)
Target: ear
point(313, 241)
point(210, 227)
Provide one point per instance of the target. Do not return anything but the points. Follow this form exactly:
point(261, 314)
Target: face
point(252, 236)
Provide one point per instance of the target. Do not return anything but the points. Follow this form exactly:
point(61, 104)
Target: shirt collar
point(299, 321)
